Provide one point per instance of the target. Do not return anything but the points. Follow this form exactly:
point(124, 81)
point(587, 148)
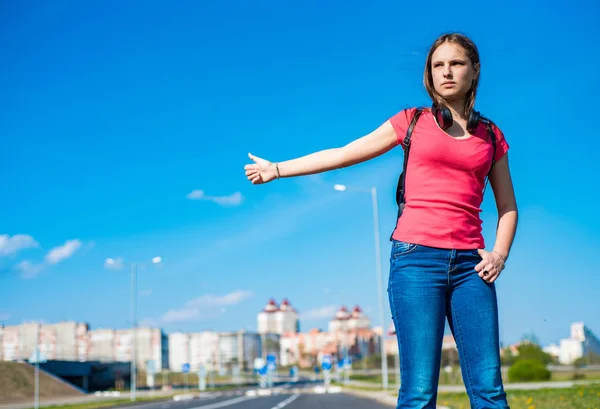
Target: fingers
point(488, 272)
point(253, 176)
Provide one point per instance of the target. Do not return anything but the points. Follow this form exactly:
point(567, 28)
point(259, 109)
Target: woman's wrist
point(502, 256)
point(277, 174)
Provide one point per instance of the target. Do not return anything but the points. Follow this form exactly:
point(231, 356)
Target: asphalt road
point(302, 395)
point(284, 400)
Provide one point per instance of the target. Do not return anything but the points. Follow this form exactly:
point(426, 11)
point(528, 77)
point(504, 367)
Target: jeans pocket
point(474, 253)
point(400, 248)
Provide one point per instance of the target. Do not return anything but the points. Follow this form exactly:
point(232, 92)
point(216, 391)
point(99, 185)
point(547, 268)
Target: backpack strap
point(488, 125)
point(400, 188)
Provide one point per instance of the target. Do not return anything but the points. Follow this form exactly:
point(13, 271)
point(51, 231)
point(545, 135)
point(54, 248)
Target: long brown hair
point(473, 54)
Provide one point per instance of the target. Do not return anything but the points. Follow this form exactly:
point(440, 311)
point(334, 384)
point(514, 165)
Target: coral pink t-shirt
point(444, 183)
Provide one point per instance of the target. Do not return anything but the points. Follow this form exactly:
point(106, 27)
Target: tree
point(528, 370)
point(530, 351)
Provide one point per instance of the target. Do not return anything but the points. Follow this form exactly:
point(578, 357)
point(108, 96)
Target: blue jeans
point(426, 285)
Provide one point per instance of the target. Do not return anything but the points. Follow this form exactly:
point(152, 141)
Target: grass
point(107, 403)
point(17, 384)
point(583, 397)
point(455, 378)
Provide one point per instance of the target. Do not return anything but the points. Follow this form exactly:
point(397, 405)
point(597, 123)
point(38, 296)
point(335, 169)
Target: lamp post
point(155, 260)
point(379, 274)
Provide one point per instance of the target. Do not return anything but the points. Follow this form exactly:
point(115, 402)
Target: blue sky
point(112, 114)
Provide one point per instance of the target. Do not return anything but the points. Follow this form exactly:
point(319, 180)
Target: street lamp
point(379, 274)
point(155, 260)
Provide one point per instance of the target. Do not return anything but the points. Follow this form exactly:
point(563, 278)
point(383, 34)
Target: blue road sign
point(263, 370)
point(271, 358)
point(345, 362)
point(185, 368)
point(326, 362)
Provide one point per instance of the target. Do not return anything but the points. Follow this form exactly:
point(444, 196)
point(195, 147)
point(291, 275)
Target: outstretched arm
point(362, 149)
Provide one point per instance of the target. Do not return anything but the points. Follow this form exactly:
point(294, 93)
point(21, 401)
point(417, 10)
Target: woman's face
point(452, 71)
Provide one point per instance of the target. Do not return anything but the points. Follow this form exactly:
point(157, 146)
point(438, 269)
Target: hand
point(490, 266)
point(261, 171)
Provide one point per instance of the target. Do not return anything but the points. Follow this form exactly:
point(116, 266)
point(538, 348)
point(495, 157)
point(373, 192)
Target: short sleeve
point(501, 144)
point(400, 122)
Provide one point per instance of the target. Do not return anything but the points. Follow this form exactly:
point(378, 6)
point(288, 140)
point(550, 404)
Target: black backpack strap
point(492, 135)
point(400, 188)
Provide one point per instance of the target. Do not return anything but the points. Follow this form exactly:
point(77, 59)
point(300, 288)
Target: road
point(301, 395)
point(283, 400)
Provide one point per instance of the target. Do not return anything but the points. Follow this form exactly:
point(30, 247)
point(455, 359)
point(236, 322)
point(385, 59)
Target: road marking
point(286, 402)
point(224, 403)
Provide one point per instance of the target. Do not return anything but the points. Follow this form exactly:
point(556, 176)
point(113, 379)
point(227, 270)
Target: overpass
point(89, 375)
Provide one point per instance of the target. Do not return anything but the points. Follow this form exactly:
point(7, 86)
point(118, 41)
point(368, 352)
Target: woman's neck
point(457, 108)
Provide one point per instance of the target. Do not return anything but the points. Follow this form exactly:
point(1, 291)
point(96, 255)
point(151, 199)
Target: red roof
point(271, 307)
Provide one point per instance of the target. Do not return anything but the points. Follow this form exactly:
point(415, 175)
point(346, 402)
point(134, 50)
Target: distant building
point(223, 350)
point(581, 343)
point(67, 341)
point(275, 319)
point(553, 350)
point(345, 320)
point(349, 333)
point(117, 345)
point(102, 345)
point(179, 352)
point(204, 346)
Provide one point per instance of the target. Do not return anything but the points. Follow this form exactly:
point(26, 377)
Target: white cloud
point(113, 263)
point(10, 245)
point(234, 199)
point(185, 314)
point(146, 293)
point(4, 316)
point(29, 270)
point(206, 306)
point(327, 311)
point(60, 253)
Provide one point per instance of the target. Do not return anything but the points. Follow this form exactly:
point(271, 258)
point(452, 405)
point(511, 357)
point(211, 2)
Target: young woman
point(439, 267)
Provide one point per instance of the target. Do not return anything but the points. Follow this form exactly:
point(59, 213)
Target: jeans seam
point(449, 271)
point(452, 253)
point(393, 309)
point(466, 365)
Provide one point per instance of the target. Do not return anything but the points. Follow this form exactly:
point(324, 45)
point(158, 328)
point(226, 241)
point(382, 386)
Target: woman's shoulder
point(405, 115)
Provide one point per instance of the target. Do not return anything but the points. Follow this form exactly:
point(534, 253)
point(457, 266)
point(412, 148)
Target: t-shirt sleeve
point(400, 122)
point(501, 144)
